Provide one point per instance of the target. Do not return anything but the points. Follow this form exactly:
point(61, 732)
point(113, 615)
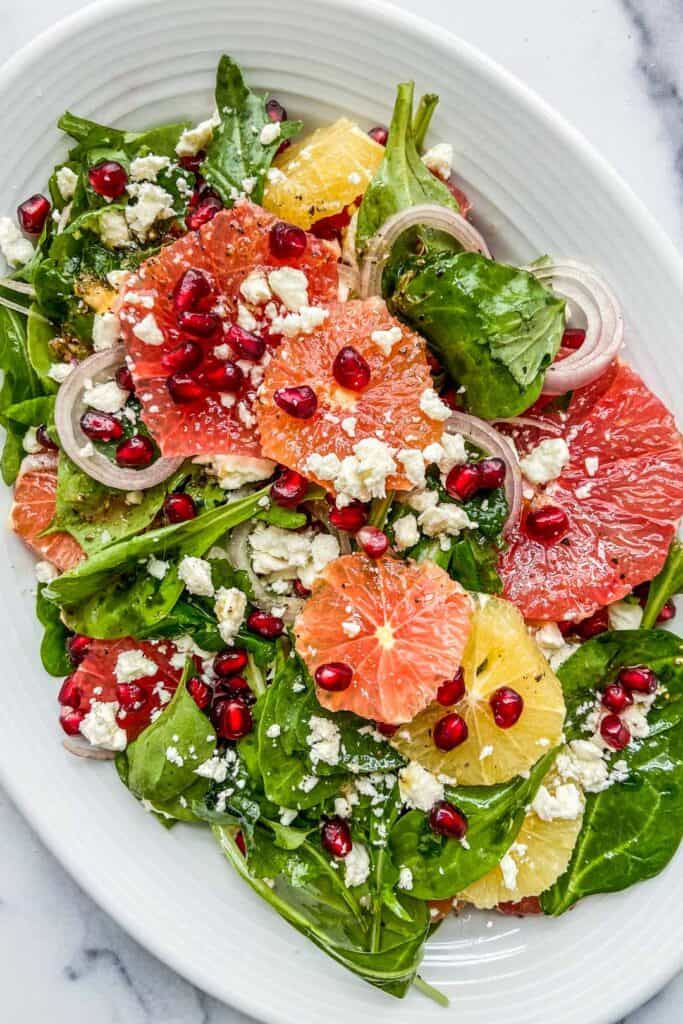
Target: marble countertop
point(612, 67)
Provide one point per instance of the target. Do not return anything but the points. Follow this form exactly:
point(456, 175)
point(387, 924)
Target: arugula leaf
point(89, 135)
point(442, 867)
point(402, 179)
point(631, 830)
point(53, 653)
point(667, 583)
point(495, 328)
point(19, 384)
point(236, 153)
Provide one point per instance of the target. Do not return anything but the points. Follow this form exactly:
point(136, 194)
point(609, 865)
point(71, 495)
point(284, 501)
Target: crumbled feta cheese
point(385, 340)
point(146, 168)
point(582, 761)
point(157, 568)
point(635, 718)
point(624, 615)
point(290, 286)
point(418, 787)
point(308, 783)
point(303, 322)
point(214, 768)
point(422, 500)
point(405, 878)
point(356, 866)
point(348, 425)
point(66, 182)
point(432, 406)
point(245, 318)
point(445, 518)
point(148, 331)
point(324, 467)
point(116, 277)
point(406, 533)
point(363, 475)
point(449, 453)
point(235, 471)
point(30, 442)
point(552, 644)
point(60, 371)
point(45, 572)
point(105, 397)
point(152, 203)
point(342, 807)
point(113, 229)
point(87, 451)
point(106, 331)
point(196, 575)
point(565, 803)
point(255, 288)
point(173, 756)
point(194, 139)
point(273, 731)
point(324, 740)
point(100, 727)
point(230, 606)
point(413, 465)
point(508, 867)
point(248, 184)
point(351, 627)
point(132, 665)
point(439, 159)
point(134, 498)
point(287, 816)
point(546, 461)
point(269, 133)
point(275, 176)
point(16, 249)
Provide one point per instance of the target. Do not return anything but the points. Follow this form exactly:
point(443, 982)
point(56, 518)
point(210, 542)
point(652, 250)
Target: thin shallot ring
point(494, 444)
point(429, 215)
point(81, 748)
point(584, 288)
point(69, 408)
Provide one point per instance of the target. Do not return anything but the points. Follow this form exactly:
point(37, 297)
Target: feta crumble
point(16, 249)
point(432, 406)
point(269, 133)
point(235, 471)
point(157, 568)
point(418, 787)
point(565, 803)
point(146, 168)
point(230, 606)
point(132, 665)
point(290, 286)
point(406, 533)
point(255, 288)
point(152, 203)
point(199, 137)
point(106, 331)
point(546, 461)
point(45, 572)
point(105, 397)
point(148, 331)
point(100, 727)
point(624, 615)
point(113, 229)
point(356, 866)
point(385, 340)
point(303, 322)
point(324, 740)
point(196, 575)
point(66, 182)
point(439, 159)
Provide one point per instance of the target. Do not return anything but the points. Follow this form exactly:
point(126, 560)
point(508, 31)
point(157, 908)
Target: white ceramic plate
point(538, 188)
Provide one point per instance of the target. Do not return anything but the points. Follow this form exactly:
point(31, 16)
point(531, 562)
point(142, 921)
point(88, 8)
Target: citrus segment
point(622, 492)
point(34, 507)
point(499, 653)
point(536, 859)
point(387, 409)
point(323, 173)
point(400, 627)
point(205, 416)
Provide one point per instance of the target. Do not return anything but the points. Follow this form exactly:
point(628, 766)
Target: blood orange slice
point(96, 680)
point(400, 627)
point(207, 417)
point(33, 509)
point(387, 408)
point(622, 492)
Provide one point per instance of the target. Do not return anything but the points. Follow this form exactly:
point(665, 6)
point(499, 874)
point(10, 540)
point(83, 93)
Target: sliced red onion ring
point(428, 215)
point(240, 558)
point(529, 421)
point(81, 748)
point(69, 408)
point(484, 436)
point(587, 291)
point(348, 281)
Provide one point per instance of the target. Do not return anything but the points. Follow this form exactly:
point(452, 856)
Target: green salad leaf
point(495, 328)
point(666, 584)
point(39, 334)
point(632, 829)
point(20, 384)
point(236, 159)
point(53, 653)
point(89, 136)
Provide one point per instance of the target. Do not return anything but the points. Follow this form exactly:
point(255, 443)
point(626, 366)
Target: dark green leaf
point(53, 653)
point(19, 384)
point(666, 584)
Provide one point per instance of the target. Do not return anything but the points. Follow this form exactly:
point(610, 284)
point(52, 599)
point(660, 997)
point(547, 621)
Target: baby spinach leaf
point(443, 867)
point(39, 334)
point(19, 384)
point(473, 563)
point(90, 135)
point(53, 652)
point(666, 584)
point(236, 159)
point(495, 328)
point(631, 830)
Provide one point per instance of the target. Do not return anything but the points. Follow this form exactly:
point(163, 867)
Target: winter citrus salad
point(354, 543)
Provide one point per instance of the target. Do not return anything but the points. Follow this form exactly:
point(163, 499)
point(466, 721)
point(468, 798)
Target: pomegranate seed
point(124, 379)
point(547, 524)
point(285, 144)
point(289, 488)
point(206, 211)
point(335, 835)
point(77, 647)
point(100, 426)
point(184, 389)
point(300, 590)
point(234, 719)
point(135, 453)
point(330, 228)
point(287, 242)
point(202, 324)
point(108, 179)
point(44, 439)
point(573, 338)
point(275, 110)
point(386, 728)
point(639, 678)
point(350, 369)
point(452, 690)
point(240, 844)
point(69, 693)
point(266, 625)
point(507, 705)
point(463, 481)
point(200, 692)
point(520, 908)
point(349, 518)
point(334, 677)
point(70, 720)
point(33, 213)
point(131, 696)
point(380, 134)
point(374, 542)
point(179, 507)
point(616, 697)
point(300, 402)
point(193, 163)
point(668, 611)
point(460, 197)
point(226, 377)
point(491, 473)
point(234, 686)
point(185, 357)
point(595, 624)
point(191, 288)
point(447, 820)
point(229, 663)
point(246, 344)
point(450, 731)
point(614, 732)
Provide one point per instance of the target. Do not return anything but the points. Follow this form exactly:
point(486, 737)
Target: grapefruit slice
point(226, 250)
point(33, 509)
point(401, 627)
point(622, 492)
point(387, 408)
point(499, 653)
point(539, 855)
point(95, 678)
